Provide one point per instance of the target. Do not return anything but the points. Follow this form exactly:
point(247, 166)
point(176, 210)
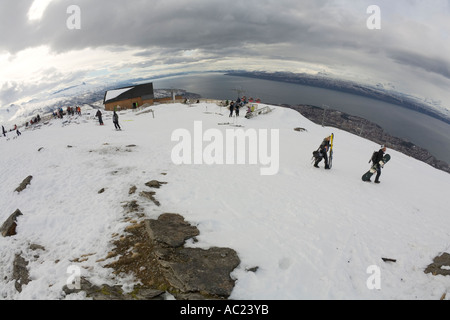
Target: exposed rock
point(24, 184)
point(153, 252)
point(8, 228)
point(131, 206)
point(150, 196)
point(132, 190)
point(106, 292)
point(192, 271)
point(155, 184)
point(171, 230)
point(206, 272)
point(101, 190)
point(436, 268)
point(35, 247)
point(20, 272)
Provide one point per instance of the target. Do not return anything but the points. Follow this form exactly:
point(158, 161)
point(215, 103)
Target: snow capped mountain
point(307, 233)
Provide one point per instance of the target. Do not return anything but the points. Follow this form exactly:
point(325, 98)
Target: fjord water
point(422, 130)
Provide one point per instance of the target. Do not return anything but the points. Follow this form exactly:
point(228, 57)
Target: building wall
point(127, 104)
point(167, 99)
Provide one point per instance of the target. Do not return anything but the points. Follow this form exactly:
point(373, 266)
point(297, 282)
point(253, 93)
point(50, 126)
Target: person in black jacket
point(379, 157)
point(231, 108)
point(116, 121)
point(323, 151)
point(99, 115)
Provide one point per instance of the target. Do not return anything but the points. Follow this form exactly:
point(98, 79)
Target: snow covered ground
point(312, 233)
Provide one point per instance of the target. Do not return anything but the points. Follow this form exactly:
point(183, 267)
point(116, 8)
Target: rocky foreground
point(370, 131)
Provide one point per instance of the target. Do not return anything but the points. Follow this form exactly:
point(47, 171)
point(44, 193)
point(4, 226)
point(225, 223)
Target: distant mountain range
point(377, 92)
point(86, 94)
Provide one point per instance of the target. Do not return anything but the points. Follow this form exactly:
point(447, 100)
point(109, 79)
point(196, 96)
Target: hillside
point(305, 233)
point(369, 131)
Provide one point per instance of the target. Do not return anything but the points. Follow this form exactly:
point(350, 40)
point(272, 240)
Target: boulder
point(8, 228)
point(194, 272)
point(20, 272)
point(155, 184)
point(24, 184)
point(440, 265)
point(170, 230)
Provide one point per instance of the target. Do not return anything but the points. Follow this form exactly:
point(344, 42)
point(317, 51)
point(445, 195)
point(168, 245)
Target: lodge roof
point(131, 92)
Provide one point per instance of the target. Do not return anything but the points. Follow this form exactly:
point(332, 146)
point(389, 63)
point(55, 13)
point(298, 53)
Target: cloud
point(147, 36)
point(37, 9)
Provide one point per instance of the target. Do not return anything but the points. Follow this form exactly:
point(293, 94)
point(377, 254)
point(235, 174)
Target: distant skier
point(116, 121)
point(4, 131)
point(99, 115)
point(236, 108)
point(231, 108)
point(323, 153)
point(376, 158)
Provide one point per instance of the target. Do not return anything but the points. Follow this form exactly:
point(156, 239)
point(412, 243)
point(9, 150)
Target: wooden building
point(129, 97)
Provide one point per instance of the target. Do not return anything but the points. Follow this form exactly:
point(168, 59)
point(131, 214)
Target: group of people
point(99, 115)
point(33, 121)
point(59, 114)
point(324, 148)
point(16, 128)
point(72, 110)
point(236, 105)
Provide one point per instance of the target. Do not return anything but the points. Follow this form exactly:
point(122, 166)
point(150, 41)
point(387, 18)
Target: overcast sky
point(42, 49)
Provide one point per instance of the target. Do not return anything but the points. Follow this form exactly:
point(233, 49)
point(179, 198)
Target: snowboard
point(366, 177)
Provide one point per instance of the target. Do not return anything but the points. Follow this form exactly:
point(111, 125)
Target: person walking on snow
point(376, 161)
point(17, 130)
point(116, 121)
point(99, 115)
point(323, 151)
point(231, 108)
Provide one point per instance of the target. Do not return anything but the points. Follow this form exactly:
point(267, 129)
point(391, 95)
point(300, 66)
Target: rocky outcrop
point(192, 271)
point(107, 292)
point(8, 228)
point(440, 265)
point(20, 272)
point(154, 252)
point(24, 184)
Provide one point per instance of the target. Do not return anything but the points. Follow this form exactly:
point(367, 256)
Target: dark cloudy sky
point(125, 39)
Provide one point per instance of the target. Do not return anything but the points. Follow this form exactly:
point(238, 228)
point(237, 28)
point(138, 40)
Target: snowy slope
point(312, 233)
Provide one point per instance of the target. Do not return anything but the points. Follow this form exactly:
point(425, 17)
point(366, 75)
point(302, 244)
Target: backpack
point(317, 155)
point(374, 157)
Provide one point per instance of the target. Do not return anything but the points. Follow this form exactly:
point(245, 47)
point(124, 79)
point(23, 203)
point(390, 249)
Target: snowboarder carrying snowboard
point(323, 153)
point(376, 158)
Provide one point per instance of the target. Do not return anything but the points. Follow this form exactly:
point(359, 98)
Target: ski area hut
point(129, 97)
